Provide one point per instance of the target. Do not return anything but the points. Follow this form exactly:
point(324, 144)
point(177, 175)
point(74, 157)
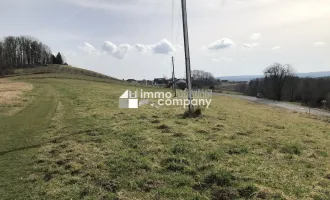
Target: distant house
point(160, 81)
point(141, 82)
point(131, 81)
point(145, 82)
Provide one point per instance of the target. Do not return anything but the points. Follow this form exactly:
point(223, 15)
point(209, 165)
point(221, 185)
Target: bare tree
point(278, 74)
point(18, 52)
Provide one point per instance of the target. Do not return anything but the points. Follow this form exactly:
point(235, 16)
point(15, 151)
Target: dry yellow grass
point(12, 92)
point(13, 96)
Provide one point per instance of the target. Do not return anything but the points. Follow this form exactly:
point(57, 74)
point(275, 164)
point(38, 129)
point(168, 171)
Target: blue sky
point(136, 38)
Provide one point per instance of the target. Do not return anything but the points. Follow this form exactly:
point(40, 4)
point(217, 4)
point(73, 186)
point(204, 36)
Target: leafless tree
point(22, 51)
point(201, 78)
point(278, 75)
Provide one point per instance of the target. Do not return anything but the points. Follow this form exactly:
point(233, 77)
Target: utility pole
point(186, 50)
point(173, 78)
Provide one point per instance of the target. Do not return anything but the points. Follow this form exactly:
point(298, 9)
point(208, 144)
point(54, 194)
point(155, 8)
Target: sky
point(137, 38)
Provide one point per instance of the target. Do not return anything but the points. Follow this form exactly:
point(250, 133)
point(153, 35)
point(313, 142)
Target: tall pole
point(186, 50)
point(173, 78)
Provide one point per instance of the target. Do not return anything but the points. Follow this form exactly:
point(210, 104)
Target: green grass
point(20, 137)
point(62, 70)
point(73, 142)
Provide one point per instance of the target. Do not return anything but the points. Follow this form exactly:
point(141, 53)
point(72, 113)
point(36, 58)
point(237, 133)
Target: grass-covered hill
point(61, 71)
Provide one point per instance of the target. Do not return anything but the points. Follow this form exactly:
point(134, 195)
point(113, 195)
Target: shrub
point(225, 194)
point(237, 150)
point(164, 128)
point(220, 178)
point(291, 149)
point(194, 114)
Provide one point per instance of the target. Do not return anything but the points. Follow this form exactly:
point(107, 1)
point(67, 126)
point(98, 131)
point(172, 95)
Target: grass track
point(21, 136)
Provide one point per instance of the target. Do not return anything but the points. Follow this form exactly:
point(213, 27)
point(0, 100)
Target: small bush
point(237, 150)
point(327, 176)
point(175, 167)
point(178, 135)
point(222, 178)
point(202, 131)
point(48, 177)
point(164, 127)
point(194, 114)
point(179, 149)
point(156, 121)
point(213, 156)
point(291, 149)
point(198, 112)
point(225, 194)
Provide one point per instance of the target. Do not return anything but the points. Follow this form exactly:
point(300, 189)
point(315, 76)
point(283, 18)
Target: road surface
point(280, 104)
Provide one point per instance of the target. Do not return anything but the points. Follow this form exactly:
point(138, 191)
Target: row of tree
point(280, 83)
point(25, 51)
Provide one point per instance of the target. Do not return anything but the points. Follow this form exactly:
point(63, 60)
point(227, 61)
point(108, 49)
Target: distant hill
point(250, 77)
point(61, 71)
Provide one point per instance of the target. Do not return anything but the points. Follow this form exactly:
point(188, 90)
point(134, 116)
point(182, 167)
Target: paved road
point(285, 105)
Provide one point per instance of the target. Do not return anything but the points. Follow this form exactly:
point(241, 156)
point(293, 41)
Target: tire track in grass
point(20, 135)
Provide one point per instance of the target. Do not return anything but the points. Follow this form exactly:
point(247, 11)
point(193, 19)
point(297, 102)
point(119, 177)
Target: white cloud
point(162, 47)
point(317, 44)
point(276, 47)
point(255, 36)
point(221, 44)
point(121, 51)
point(89, 49)
point(248, 45)
point(141, 48)
point(109, 47)
point(116, 51)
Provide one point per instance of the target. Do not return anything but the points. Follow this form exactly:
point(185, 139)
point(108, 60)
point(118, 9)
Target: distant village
point(161, 82)
point(216, 85)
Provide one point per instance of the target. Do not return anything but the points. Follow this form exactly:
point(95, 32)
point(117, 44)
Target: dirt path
point(20, 135)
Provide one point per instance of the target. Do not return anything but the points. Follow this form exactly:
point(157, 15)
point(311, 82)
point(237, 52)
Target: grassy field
point(71, 141)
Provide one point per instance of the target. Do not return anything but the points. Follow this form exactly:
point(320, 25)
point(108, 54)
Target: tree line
point(280, 83)
point(201, 79)
point(23, 52)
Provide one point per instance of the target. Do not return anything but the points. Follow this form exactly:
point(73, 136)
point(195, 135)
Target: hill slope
point(64, 71)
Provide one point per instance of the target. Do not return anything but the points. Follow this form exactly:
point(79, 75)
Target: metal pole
point(173, 78)
point(186, 50)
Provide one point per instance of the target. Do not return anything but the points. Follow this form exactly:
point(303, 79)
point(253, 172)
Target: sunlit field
point(69, 140)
